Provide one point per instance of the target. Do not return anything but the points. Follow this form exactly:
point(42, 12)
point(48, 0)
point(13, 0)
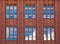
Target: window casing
point(49, 33)
point(30, 11)
point(11, 33)
point(30, 33)
point(11, 11)
point(48, 11)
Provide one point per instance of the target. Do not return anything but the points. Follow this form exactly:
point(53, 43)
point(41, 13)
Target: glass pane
point(44, 16)
point(11, 33)
point(26, 16)
point(34, 33)
point(15, 10)
point(48, 12)
point(44, 7)
point(26, 7)
point(52, 15)
point(48, 33)
point(33, 7)
point(48, 15)
point(44, 12)
point(26, 13)
point(33, 13)
point(34, 16)
point(15, 16)
point(45, 33)
point(11, 11)
point(7, 33)
point(48, 8)
point(30, 11)
point(52, 33)
point(30, 8)
point(7, 11)
point(7, 15)
point(15, 33)
point(30, 33)
point(52, 11)
point(26, 33)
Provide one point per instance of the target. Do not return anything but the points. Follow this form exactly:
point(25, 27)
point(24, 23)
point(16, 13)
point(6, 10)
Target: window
point(11, 33)
point(52, 33)
point(11, 11)
point(45, 32)
point(45, 12)
point(52, 11)
point(7, 33)
point(49, 33)
point(30, 33)
point(48, 11)
point(7, 11)
point(15, 11)
point(30, 11)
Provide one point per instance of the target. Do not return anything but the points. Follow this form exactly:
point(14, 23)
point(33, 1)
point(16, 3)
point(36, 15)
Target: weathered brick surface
point(21, 22)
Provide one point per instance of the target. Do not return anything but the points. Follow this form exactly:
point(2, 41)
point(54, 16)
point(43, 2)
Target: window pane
point(7, 15)
point(52, 33)
point(15, 33)
point(45, 33)
point(33, 12)
point(26, 7)
point(34, 33)
point(26, 11)
point(11, 11)
point(30, 11)
point(30, 33)
point(44, 12)
point(11, 33)
point(34, 16)
point(52, 16)
point(7, 11)
point(26, 33)
point(44, 16)
point(52, 12)
point(48, 33)
point(15, 12)
point(7, 33)
point(48, 12)
point(44, 7)
point(30, 8)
